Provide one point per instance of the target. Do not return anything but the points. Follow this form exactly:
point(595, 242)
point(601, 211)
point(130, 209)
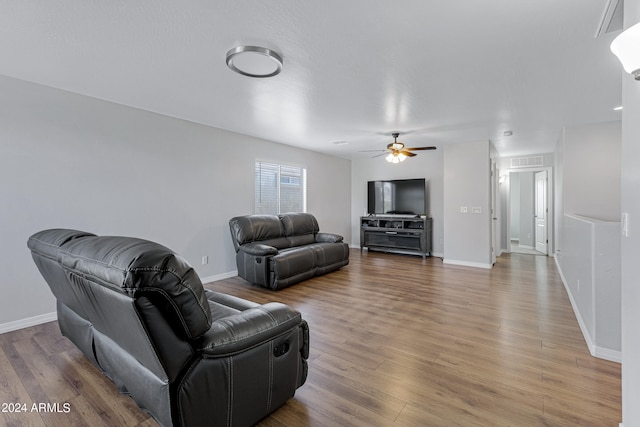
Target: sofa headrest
point(129, 265)
point(254, 228)
point(299, 223)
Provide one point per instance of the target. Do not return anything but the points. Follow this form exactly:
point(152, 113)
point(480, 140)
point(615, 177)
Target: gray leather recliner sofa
point(189, 356)
point(278, 251)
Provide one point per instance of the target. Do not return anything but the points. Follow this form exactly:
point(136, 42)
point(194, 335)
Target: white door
point(541, 212)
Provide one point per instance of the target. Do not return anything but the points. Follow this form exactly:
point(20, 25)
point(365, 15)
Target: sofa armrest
point(248, 328)
point(258, 249)
point(328, 238)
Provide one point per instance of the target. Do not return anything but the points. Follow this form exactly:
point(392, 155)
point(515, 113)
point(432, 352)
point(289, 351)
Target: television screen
point(401, 196)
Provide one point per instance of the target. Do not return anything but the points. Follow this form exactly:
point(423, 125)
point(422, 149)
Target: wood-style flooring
point(395, 341)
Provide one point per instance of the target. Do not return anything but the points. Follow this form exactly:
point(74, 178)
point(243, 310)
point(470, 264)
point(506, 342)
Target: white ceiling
point(354, 70)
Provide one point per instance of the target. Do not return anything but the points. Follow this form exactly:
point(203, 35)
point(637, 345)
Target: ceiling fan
point(397, 152)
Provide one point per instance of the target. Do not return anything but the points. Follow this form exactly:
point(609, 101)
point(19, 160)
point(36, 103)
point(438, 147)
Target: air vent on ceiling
point(612, 19)
point(527, 162)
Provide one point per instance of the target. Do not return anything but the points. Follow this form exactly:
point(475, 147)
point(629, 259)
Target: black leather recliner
point(278, 251)
point(189, 356)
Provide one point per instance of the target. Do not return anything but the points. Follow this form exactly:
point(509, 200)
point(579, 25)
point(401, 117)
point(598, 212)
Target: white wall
point(587, 185)
point(526, 211)
point(76, 162)
point(592, 176)
point(428, 165)
point(467, 174)
point(514, 185)
point(630, 204)
point(558, 194)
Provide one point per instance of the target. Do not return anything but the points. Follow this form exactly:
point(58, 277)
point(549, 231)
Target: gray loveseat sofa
point(278, 251)
point(189, 356)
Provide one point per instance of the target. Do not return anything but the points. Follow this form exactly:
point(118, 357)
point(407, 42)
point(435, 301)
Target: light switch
point(463, 209)
point(625, 224)
point(476, 210)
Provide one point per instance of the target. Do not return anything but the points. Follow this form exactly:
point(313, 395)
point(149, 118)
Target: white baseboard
point(221, 276)
point(29, 321)
point(599, 352)
point(467, 263)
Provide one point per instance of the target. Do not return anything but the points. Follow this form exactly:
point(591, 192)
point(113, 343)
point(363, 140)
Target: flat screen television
point(399, 196)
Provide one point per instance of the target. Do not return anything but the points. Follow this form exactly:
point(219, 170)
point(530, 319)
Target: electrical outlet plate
point(463, 209)
point(205, 259)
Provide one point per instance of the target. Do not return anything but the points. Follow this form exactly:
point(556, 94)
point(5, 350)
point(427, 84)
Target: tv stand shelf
point(396, 234)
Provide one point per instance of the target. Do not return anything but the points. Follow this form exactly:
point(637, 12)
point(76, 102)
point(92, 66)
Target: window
point(280, 188)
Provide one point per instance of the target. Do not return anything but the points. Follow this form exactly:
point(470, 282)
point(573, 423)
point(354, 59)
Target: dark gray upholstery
point(189, 356)
point(278, 251)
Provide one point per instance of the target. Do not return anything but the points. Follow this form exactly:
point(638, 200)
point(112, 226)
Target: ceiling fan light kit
point(398, 152)
point(627, 48)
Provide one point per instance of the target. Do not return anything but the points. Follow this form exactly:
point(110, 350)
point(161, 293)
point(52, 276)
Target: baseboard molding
point(218, 277)
point(599, 352)
point(467, 263)
point(29, 321)
point(607, 354)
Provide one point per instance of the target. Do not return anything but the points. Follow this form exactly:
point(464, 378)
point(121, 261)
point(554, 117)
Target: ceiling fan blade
point(408, 153)
point(379, 155)
point(420, 148)
point(371, 151)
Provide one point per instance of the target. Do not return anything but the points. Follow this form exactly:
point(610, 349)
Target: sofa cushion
point(254, 228)
point(329, 253)
point(293, 261)
point(305, 239)
point(299, 223)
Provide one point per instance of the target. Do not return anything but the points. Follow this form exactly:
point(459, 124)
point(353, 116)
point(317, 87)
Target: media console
point(396, 234)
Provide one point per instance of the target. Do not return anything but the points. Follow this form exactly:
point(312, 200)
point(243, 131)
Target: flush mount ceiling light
point(627, 48)
point(254, 61)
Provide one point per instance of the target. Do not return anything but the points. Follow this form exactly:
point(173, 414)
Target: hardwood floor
point(395, 341)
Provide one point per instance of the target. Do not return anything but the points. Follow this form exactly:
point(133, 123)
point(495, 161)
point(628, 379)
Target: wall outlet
point(205, 260)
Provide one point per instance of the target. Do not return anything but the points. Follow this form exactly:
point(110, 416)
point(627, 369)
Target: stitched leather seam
point(269, 391)
point(230, 399)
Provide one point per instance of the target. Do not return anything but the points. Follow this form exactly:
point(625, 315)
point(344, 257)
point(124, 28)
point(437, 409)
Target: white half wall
point(590, 270)
point(71, 161)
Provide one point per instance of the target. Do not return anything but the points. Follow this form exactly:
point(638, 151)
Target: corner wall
point(467, 174)
point(630, 204)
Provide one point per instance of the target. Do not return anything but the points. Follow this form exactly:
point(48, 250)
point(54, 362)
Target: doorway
point(529, 213)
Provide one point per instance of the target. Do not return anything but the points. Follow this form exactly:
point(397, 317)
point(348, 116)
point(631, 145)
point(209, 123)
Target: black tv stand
point(396, 233)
